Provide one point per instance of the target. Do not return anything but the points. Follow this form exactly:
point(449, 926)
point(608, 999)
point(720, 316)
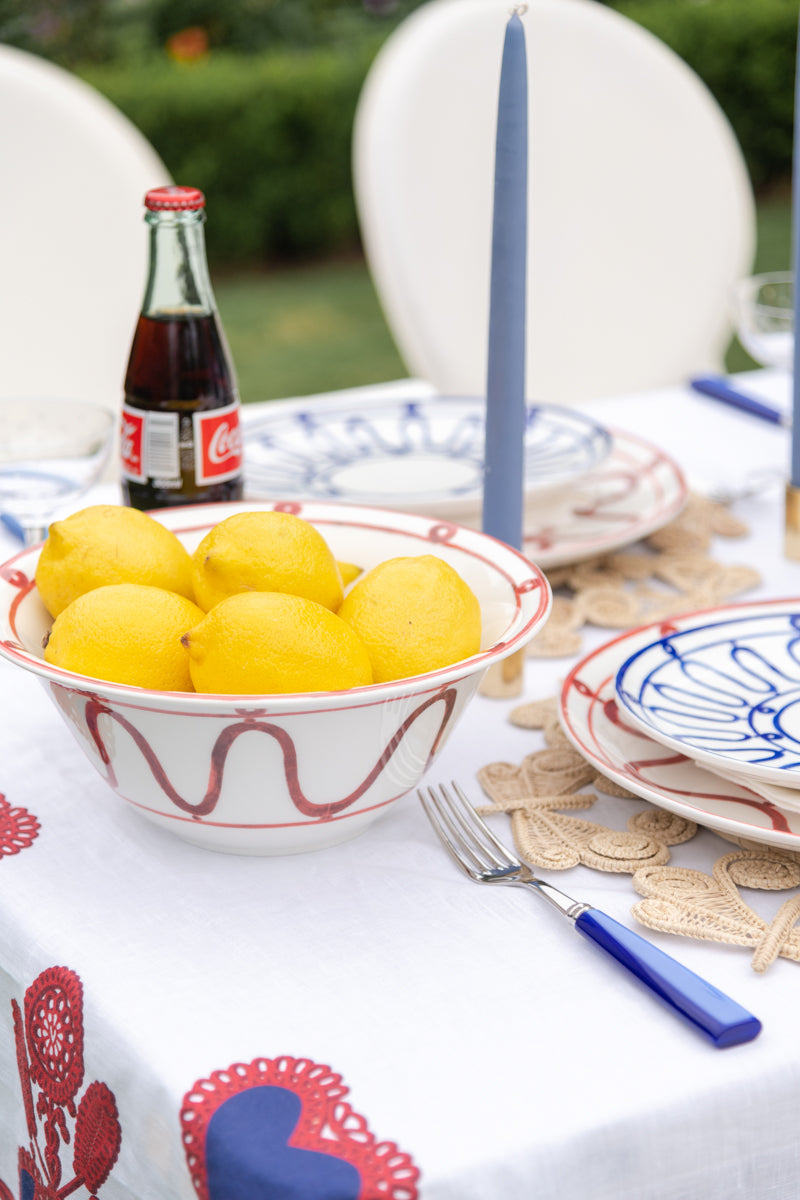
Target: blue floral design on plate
point(424, 454)
point(725, 693)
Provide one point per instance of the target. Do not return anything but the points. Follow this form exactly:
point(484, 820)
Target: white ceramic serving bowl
point(287, 773)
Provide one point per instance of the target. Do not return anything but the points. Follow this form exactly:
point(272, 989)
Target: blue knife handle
point(708, 1009)
point(719, 389)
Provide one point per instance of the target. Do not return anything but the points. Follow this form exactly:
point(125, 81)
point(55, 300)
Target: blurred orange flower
point(188, 45)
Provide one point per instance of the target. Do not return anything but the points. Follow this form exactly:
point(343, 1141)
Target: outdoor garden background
point(253, 101)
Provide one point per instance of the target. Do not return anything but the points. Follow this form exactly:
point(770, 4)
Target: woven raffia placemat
point(671, 572)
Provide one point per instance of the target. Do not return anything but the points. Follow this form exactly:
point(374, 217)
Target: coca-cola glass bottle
point(180, 437)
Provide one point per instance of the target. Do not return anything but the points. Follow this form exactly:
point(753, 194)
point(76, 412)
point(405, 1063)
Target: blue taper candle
point(505, 385)
point(795, 469)
point(792, 528)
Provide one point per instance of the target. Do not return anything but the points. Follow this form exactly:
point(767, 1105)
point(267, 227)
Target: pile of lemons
point(261, 607)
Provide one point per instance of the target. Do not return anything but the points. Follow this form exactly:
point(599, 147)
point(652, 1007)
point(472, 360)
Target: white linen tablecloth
point(473, 1029)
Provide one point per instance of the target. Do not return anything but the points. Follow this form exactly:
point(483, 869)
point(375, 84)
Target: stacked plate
point(588, 489)
point(700, 714)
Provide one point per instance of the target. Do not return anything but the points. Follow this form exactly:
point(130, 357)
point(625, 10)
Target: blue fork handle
point(708, 1009)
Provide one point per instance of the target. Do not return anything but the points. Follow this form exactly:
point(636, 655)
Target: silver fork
point(474, 847)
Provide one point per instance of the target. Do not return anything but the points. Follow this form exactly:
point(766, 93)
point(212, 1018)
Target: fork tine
point(448, 833)
point(466, 829)
point(471, 821)
point(463, 814)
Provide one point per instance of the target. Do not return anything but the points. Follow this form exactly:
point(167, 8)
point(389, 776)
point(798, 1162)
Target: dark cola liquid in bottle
point(180, 437)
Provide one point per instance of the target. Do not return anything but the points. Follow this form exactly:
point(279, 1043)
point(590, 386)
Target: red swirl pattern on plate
point(635, 491)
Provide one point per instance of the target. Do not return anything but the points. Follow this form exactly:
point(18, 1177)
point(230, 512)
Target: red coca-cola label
point(218, 444)
point(131, 439)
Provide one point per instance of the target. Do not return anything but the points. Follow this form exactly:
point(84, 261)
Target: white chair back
point(641, 214)
point(73, 244)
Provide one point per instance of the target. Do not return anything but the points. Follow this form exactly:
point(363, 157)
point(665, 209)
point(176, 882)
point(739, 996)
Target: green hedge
point(267, 136)
point(745, 52)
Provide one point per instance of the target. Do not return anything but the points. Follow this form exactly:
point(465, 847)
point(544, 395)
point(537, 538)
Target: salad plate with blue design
point(725, 691)
point(599, 726)
point(415, 455)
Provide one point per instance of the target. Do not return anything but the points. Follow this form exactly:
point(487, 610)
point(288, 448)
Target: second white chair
point(641, 214)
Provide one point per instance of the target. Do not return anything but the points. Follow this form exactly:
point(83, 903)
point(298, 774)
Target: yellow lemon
point(349, 572)
point(126, 633)
point(265, 552)
point(109, 543)
point(259, 643)
point(414, 615)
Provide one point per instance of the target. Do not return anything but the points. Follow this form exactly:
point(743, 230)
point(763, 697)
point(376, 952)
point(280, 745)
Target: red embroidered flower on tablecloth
point(54, 1031)
point(97, 1136)
point(18, 828)
point(50, 1045)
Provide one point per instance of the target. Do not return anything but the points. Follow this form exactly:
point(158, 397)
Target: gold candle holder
point(504, 679)
point(792, 538)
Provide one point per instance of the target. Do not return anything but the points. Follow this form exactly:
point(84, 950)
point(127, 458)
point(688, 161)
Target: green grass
point(308, 329)
point(318, 328)
point(774, 235)
point(773, 253)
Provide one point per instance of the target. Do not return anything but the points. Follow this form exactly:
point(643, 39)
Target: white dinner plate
point(417, 455)
point(725, 691)
point(600, 728)
point(784, 797)
point(636, 490)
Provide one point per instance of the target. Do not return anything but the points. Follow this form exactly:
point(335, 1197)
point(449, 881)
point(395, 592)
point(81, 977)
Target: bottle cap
point(174, 199)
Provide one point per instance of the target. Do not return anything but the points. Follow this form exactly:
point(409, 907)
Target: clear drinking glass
point(764, 315)
point(51, 452)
